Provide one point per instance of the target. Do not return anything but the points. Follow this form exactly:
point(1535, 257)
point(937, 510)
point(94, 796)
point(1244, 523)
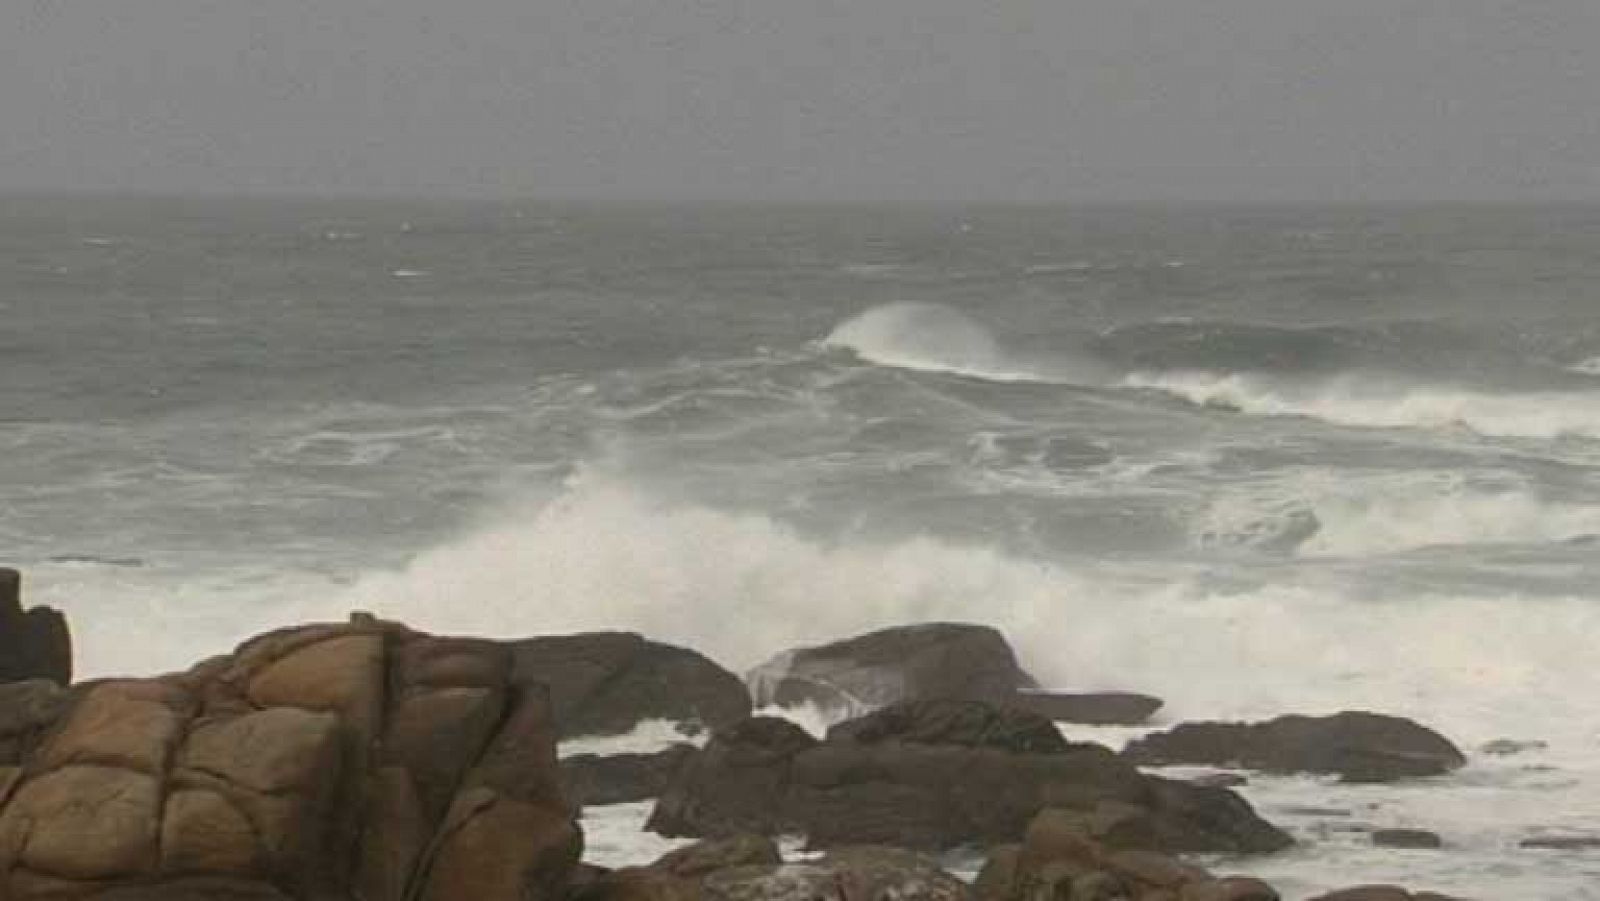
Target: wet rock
point(606, 683)
point(1419, 839)
point(590, 779)
point(769, 777)
point(951, 722)
point(1233, 888)
point(636, 884)
point(844, 874)
point(34, 643)
point(1505, 747)
point(903, 663)
point(1359, 747)
point(1561, 842)
point(705, 857)
point(1382, 893)
point(27, 710)
point(1221, 780)
point(1062, 857)
point(1096, 709)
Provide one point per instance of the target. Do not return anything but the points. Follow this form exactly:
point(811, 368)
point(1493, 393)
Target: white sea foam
point(1351, 401)
point(606, 554)
point(1345, 514)
point(936, 338)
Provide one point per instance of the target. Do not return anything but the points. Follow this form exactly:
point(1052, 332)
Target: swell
point(1397, 375)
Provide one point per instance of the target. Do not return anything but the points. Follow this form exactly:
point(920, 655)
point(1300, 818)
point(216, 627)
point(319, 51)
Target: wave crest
point(1352, 401)
point(933, 338)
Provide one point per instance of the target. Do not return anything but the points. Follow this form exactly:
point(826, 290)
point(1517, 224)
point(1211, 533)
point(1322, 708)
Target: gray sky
point(996, 100)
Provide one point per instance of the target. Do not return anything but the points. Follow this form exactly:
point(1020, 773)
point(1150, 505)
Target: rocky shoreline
point(365, 760)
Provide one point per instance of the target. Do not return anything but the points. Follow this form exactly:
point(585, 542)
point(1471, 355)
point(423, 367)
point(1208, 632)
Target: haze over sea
point(1254, 461)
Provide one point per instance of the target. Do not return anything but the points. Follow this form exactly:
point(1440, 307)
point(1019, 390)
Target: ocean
point(1252, 460)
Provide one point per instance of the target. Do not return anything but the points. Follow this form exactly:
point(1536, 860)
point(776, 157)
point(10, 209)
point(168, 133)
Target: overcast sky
point(993, 100)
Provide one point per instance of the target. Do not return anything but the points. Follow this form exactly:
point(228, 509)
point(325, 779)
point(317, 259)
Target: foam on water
point(935, 338)
point(1363, 403)
point(1347, 514)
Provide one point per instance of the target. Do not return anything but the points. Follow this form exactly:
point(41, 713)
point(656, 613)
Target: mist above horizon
point(882, 100)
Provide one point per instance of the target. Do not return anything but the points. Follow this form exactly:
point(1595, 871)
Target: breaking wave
point(934, 338)
point(1369, 403)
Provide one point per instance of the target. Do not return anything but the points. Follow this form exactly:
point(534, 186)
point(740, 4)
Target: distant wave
point(1374, 403)
point(935, 338)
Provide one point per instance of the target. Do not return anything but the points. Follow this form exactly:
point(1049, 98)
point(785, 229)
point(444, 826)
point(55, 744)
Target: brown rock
point(83, 822)
point(342, 674)
point(493, 847)
point(120, 724)
point(203, 832)
point(276, 751)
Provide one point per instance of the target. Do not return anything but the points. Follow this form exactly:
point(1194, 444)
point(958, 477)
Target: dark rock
point(1561, 842)
point(34, 644)
point(636, 884)
point(1359, 747)
point(606, 683)
point(27, 710)
point(590, 779)
point(948, 722)
point(1505, 747)
point(1420, 839)
point(1382, 893)
point(1097, 709)
point(1221, 780)
point(1233, 888)
point(769, 777)
point(903, 663)
point(705, 857)
point(844, 874)
point(998, 876)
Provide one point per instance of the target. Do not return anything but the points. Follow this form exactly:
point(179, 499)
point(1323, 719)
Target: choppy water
point(1255, 461)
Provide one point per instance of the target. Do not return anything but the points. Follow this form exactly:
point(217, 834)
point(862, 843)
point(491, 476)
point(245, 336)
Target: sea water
point(1254, 461)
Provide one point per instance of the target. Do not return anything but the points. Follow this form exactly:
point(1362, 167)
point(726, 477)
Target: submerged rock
point(34, 643)
point(1418, 839)
point(1382, 893)
point(904, 663)
point(606, 683)
point(1561, 842)
point(1357, 746)
point(905, 786)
